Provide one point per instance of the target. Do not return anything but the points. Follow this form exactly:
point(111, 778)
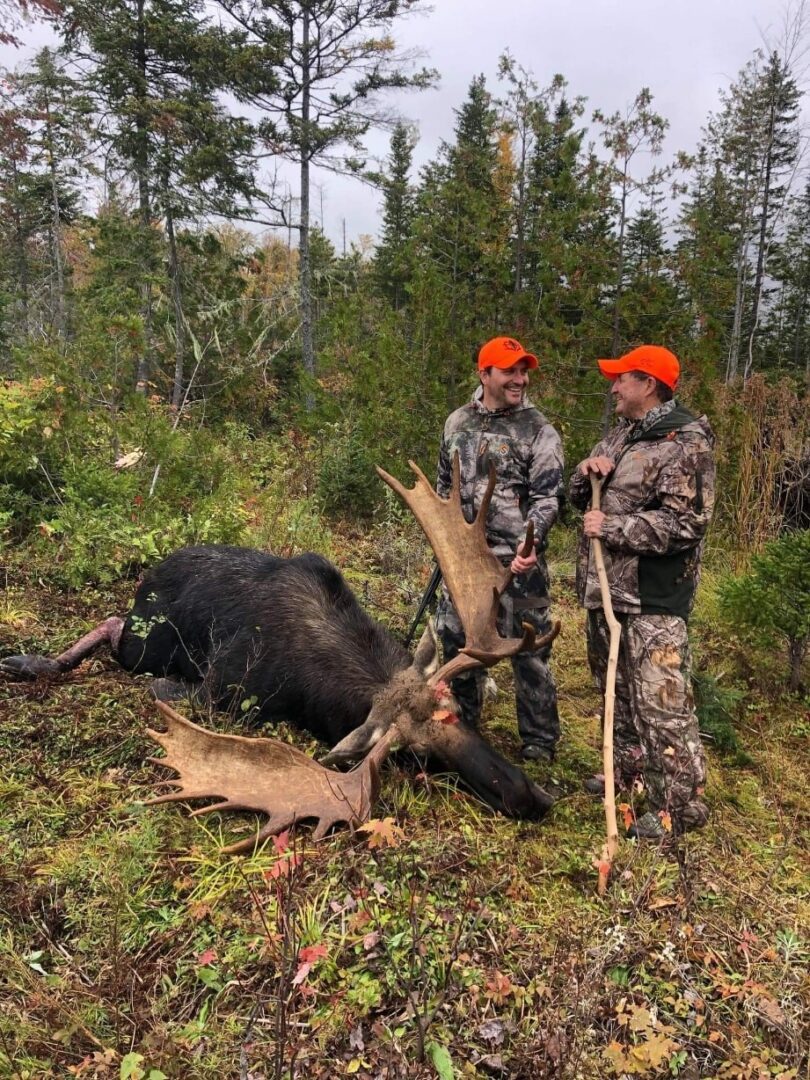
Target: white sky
point(686, 52)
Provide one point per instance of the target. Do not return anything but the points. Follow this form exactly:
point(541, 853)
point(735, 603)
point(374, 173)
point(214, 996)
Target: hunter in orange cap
point(652, 360)
point(501, 431)
point(657, 470)
point(504, 352)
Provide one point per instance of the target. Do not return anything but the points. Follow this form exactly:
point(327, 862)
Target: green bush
point(717, 708)
point(348, 485)
point(771, 602)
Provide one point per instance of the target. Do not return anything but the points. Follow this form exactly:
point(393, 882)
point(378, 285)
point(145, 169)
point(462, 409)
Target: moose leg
point(31, 666)
point(196, 694)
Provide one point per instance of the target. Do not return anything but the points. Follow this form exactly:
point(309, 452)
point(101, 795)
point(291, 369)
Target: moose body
point(285, 635)
point(289, 637)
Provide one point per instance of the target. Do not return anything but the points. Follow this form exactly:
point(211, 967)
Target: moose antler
point(473, 575)
point(267, 776)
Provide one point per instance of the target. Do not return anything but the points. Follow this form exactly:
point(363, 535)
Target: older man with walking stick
point(657, 471)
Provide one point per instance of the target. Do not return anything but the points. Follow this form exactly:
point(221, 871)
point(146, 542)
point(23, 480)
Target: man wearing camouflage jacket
point(657, 466)
point(499, 425)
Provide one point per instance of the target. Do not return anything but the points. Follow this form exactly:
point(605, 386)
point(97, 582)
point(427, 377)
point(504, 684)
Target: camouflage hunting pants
point(655, 727)
point(526, 600)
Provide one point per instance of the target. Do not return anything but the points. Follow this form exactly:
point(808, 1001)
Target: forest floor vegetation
point(441, 941)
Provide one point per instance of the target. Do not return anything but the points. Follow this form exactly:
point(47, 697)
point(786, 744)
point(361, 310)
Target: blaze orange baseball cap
point(653, 360)
point(504, 352)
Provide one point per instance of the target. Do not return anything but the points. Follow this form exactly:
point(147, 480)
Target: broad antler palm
point(266, 776)
point(474, 577)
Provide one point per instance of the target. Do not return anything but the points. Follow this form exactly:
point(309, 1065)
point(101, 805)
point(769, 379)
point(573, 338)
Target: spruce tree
point(392, 262)
point(463, 235)
point(155, 68)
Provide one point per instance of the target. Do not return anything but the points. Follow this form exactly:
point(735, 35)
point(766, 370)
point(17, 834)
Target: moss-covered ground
point(469, 946)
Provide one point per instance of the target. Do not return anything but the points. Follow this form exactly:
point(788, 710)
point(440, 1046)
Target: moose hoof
point(30, 666)
point(168, 690)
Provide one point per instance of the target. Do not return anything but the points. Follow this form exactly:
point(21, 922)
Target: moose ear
point(357, 743)
point(426, 657)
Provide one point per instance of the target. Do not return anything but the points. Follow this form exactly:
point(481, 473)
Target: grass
point(473, 947)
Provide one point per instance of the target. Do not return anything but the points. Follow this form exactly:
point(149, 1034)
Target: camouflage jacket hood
point(527, 453)
point(657, 502)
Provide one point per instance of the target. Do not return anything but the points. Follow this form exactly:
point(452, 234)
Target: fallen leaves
point(307, 959)
point(382, 832)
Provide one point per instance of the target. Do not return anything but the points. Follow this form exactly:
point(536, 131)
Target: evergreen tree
point(787, 332)
point(639, 129)
point(705, 259)
point(392, 262)
point(155, 69)
point(316, 114)
point(462, 230)
point(779, 107)
point(755, 140)
point(653, 309)
point(57, 113)
point(569, 245)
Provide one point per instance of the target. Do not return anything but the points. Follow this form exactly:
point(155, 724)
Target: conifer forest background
point(186, 357)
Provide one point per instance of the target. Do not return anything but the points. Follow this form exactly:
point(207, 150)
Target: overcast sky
point(685, 51)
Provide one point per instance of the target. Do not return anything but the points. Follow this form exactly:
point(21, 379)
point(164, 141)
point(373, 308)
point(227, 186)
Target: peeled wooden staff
point(611, 828)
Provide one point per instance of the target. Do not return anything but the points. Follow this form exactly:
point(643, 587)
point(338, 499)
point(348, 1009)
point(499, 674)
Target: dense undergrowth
point(446, 942)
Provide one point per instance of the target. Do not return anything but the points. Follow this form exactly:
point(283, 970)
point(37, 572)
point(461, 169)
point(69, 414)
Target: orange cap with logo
point(504, 352)
point(653, 360)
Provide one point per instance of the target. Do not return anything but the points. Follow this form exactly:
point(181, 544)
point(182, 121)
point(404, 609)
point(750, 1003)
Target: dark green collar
point(674, 420)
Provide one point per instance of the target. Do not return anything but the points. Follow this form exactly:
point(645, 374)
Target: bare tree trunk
point(23, 275)
point(144, 372)
point(615, 339)
point(177, 304)
point(58, 305)
point(305, 268)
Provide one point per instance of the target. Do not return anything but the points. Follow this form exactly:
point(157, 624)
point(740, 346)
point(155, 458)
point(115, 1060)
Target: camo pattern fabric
point(528, 458)
point(535, 693)
point(658, 501)
point(655, 724)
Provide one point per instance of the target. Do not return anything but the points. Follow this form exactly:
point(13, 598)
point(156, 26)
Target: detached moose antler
point(267, 776)
point(473, 575)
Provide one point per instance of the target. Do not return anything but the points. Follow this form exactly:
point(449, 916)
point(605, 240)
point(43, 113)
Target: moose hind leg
point(32, 666)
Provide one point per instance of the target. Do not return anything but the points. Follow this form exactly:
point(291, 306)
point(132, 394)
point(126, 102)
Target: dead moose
point(229, 624)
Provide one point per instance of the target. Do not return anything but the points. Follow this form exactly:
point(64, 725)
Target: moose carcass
point(231, 624)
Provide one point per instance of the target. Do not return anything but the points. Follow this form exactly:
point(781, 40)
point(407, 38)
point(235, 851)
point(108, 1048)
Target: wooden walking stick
point(611, 828)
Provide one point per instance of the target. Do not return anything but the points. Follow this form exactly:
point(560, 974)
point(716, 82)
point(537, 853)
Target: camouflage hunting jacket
point(657, 502)
point(527, 453)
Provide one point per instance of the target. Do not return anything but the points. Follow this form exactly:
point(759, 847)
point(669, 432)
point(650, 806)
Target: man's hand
point(522, 563)
point(602, 466)
point(592, 523)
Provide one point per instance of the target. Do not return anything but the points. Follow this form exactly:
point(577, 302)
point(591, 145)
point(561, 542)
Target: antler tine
point(483, 509)
point(265, 776)
point(471, 572)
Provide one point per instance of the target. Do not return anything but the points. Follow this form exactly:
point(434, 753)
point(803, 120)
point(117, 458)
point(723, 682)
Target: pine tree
point(754, 138)
point(787, 332)
point(705, 259)
point(569, 250)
